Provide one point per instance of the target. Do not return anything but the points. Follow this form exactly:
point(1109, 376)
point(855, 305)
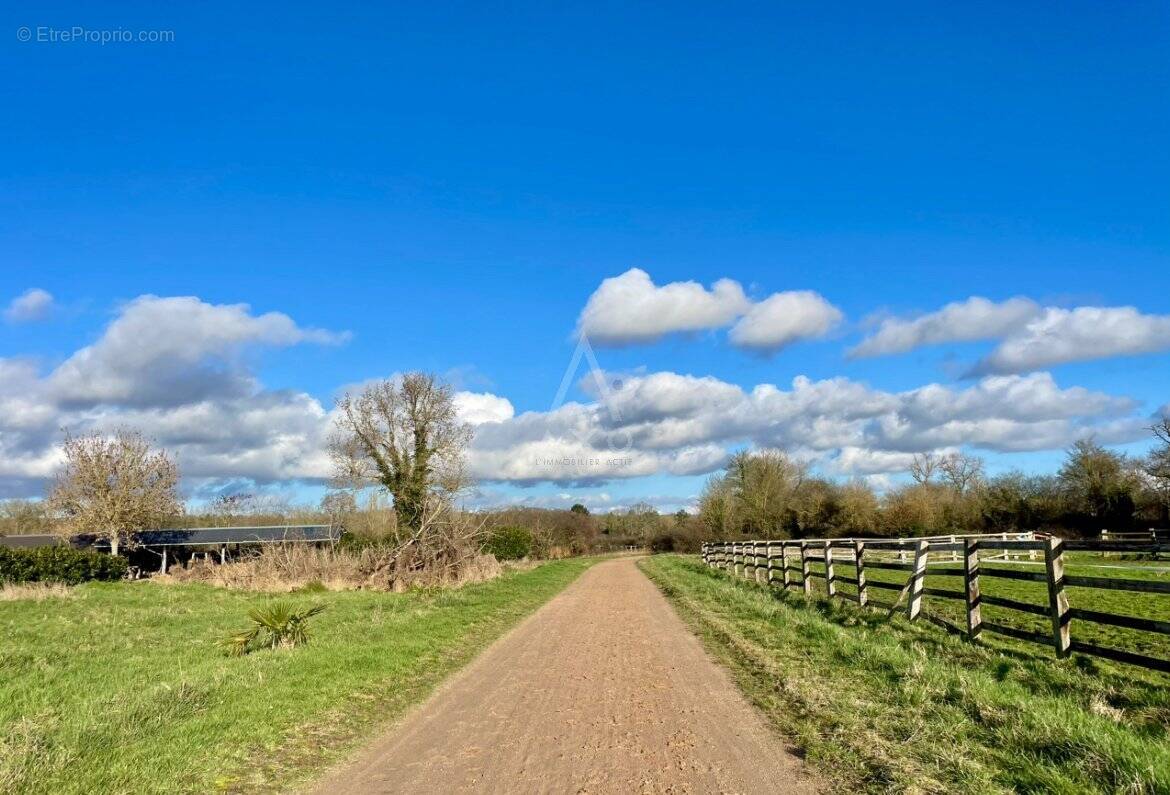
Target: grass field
point(883, 705)
point(120, 687)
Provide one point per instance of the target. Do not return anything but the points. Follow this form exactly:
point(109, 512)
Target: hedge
point(509, 543)
point(59, 564)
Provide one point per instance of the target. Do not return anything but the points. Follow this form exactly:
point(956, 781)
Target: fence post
point(786, 578)
point(1057, 601)
point(771, 568)
point(971, 588)
point(914, 606)
point(830, 576)
point(758, 570)
point(859, 554)
point(735, 557)
point(954, 552)
point(806, 581)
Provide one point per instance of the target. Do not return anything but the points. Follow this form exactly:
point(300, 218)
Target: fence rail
point(768, 562)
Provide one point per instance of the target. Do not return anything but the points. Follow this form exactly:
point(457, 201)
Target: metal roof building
point(218, 536)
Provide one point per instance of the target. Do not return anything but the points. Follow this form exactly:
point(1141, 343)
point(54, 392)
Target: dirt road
point(603, 690)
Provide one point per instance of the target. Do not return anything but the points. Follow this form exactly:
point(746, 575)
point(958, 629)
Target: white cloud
point(669, 423)
point(630, 308)
point(784, 318)
point(1071, 335)
point(962, 321)
point(1031, 337)
point(172, 351)
point(176, 369)
point(476, 408)
point(33, 304)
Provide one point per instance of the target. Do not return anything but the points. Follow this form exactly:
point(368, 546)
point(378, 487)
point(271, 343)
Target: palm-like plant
point(277, 626)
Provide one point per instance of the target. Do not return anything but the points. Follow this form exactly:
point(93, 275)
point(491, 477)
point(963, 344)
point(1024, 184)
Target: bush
point(509, 543)
point(59, 564)
point(663, 542)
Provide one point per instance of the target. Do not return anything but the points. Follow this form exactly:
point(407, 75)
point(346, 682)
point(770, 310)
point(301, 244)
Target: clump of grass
point(34, 591)
point(883, 705)
point(277, 626)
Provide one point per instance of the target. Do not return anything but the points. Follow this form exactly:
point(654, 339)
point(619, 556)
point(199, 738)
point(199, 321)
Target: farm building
point(171, 545)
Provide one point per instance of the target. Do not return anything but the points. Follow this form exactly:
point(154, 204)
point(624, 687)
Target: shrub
point(277, 626)
point(509, 543)
point(663, 542)
point(59, 564)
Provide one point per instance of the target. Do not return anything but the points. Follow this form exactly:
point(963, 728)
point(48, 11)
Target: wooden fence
point(777, 563)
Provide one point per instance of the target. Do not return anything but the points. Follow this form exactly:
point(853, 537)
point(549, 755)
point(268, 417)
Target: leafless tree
point(1157, 464)
point(404, 435)
point(961, 471)
point(112, 486)
point(923, 467)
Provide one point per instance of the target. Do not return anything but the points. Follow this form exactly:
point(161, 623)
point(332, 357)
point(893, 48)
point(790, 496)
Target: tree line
point(770, 494)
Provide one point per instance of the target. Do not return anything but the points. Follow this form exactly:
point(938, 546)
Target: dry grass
point(34, 591)
point(293, 567)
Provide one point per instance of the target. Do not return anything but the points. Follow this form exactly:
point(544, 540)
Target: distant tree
point(339, 504)
point(718, 509)
point(112, 486)
point(22, 517)
point(1157, 464)
point(579, 508)
point(961, 471)
point(1099, 485)
point(765, 485)
point(404, 435)
point(923, 467)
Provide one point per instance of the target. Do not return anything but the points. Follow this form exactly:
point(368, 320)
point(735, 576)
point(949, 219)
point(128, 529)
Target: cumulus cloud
point(630, 308)
point(784, 318)
point(476, 408)
point(172, 351)
point(1031, 337)
point(669, 423)
point(962, 321)
point(176, 369)
point(31, 305)
point(1070, 335)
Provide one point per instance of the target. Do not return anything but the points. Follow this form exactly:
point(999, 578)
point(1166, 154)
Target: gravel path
point(603, 690)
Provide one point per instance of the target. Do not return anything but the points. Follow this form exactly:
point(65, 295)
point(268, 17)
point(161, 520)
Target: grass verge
point(122, 687)
point(887, 706)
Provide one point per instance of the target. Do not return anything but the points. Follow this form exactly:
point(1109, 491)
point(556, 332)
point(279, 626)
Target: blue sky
point(450, 184)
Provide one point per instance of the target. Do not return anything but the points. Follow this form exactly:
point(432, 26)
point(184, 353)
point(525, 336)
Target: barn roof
point(197, 536)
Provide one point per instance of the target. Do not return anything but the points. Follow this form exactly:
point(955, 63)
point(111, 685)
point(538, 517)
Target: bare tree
point(112, 486)
point(404, 435)
point(1157, 464)
point(961, 471)
point(923, 467)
